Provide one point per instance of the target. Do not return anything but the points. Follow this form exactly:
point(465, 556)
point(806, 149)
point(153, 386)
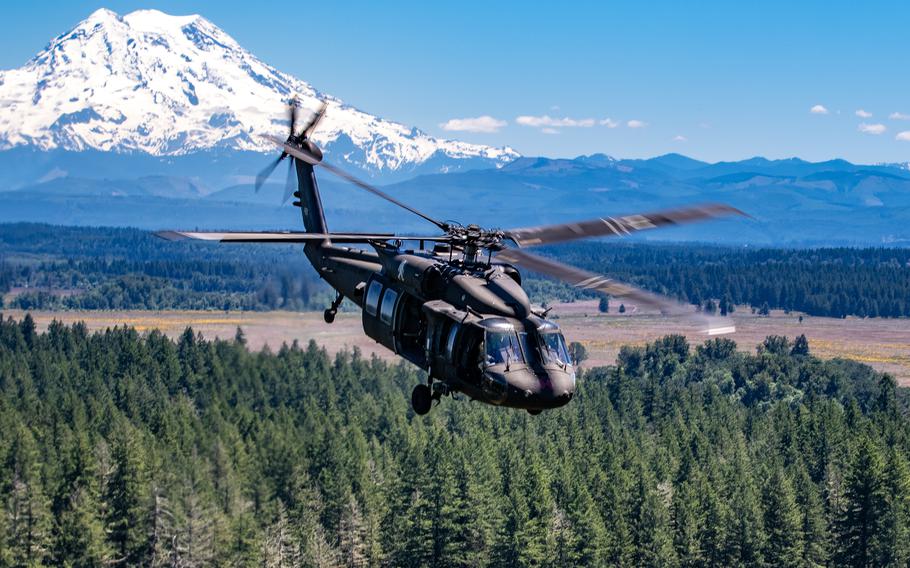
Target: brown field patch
point(882, 343)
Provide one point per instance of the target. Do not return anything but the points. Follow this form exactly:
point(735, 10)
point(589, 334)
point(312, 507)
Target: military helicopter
point(456, 309)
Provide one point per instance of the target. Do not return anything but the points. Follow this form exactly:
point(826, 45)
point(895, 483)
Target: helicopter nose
point(559, 387)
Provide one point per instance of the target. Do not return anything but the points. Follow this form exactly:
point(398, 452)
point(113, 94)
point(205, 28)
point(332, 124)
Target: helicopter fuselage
point(469, 324)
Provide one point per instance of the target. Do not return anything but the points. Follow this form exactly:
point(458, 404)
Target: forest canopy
point(128, 448)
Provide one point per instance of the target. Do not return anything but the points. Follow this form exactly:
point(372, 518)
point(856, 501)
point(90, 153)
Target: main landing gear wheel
point(421, 399)
point(329, 314)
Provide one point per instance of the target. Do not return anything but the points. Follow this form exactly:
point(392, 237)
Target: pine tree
point(800, 346)
point(814, 529)
point(351, 543)
point(783, 521)
point(27, 521)
point(279, 547)
point(127, 499)
point(892, 545)
point(650, 517)
point(860, 525)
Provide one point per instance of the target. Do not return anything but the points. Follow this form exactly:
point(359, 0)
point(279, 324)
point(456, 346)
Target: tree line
point(832, 282)
point(125, 448)
point(111, 269)
point(105, 268)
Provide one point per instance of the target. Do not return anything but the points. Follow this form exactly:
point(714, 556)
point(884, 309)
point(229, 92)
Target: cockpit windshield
point(505, 347)
point(553, 347)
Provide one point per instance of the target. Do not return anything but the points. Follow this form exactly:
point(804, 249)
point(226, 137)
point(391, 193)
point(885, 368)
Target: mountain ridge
point(790, 202)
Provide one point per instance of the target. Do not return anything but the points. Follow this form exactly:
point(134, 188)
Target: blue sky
point(713, 80)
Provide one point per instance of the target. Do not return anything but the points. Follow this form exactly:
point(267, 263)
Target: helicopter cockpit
point(527, 361)
point(508, 342)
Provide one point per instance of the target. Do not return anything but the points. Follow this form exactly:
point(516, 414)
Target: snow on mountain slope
point(172, 85)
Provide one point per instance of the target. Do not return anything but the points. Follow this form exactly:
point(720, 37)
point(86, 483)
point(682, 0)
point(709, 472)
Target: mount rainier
point(164, 86)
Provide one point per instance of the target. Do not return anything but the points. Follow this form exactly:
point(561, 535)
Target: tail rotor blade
point(266, 172)
point(289, 182)
point(308, 131)
point(292, 116)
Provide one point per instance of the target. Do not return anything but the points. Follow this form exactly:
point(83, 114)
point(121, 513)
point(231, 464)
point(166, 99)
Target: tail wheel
point(421, 399)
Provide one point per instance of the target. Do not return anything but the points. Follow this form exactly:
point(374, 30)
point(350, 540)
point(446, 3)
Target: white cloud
point(609, 123)
point(548, 121)
point(549, 130)
point(818, 109)
point(899, 116)
point(484, 123)
point(636, 124)
point(680, 138)
point(872, 128)
point(863, 114)
point(903, 136)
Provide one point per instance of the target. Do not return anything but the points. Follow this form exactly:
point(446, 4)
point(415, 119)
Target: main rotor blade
point(618, 226)
point(289, 237)
point(590, 281)
point(310, 159)
point(266, 172)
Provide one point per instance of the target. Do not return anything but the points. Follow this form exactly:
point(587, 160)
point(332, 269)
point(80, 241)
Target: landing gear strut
point(329, 314)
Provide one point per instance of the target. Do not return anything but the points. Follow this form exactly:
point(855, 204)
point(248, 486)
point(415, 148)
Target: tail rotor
point(299, 141)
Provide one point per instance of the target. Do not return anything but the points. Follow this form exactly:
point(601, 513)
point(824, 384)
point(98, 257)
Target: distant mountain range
point(153, 121)
point(149, 84)
point(791, 202)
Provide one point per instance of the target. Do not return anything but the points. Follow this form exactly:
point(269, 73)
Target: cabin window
point(373, 294)
point(553, 347)
point(388, 306)
point(504, 347)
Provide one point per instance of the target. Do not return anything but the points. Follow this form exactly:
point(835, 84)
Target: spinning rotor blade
point(590, 281)
point(288, 237)
point(292, 116)
point(301, 154)
point(267, 172)
point(619, 226)
point(317, 117)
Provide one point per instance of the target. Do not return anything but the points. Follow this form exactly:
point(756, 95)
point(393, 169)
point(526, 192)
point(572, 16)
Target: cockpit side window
point(502, 347)
point(553, 348)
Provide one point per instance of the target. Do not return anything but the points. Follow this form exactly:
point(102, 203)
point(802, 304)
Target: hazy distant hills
point(791, 201)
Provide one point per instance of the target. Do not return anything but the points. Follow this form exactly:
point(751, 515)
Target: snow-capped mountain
point(164, 85)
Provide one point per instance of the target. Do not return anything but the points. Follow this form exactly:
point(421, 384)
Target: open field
point(882, 343)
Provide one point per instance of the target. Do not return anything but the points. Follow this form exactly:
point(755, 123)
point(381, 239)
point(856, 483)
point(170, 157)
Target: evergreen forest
point(120, 448)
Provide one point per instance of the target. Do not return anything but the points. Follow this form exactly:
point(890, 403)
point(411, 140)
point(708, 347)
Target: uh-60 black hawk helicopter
point(457, 309)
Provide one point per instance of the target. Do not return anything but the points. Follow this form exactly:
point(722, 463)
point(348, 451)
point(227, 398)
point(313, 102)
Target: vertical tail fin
point(309, 201)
